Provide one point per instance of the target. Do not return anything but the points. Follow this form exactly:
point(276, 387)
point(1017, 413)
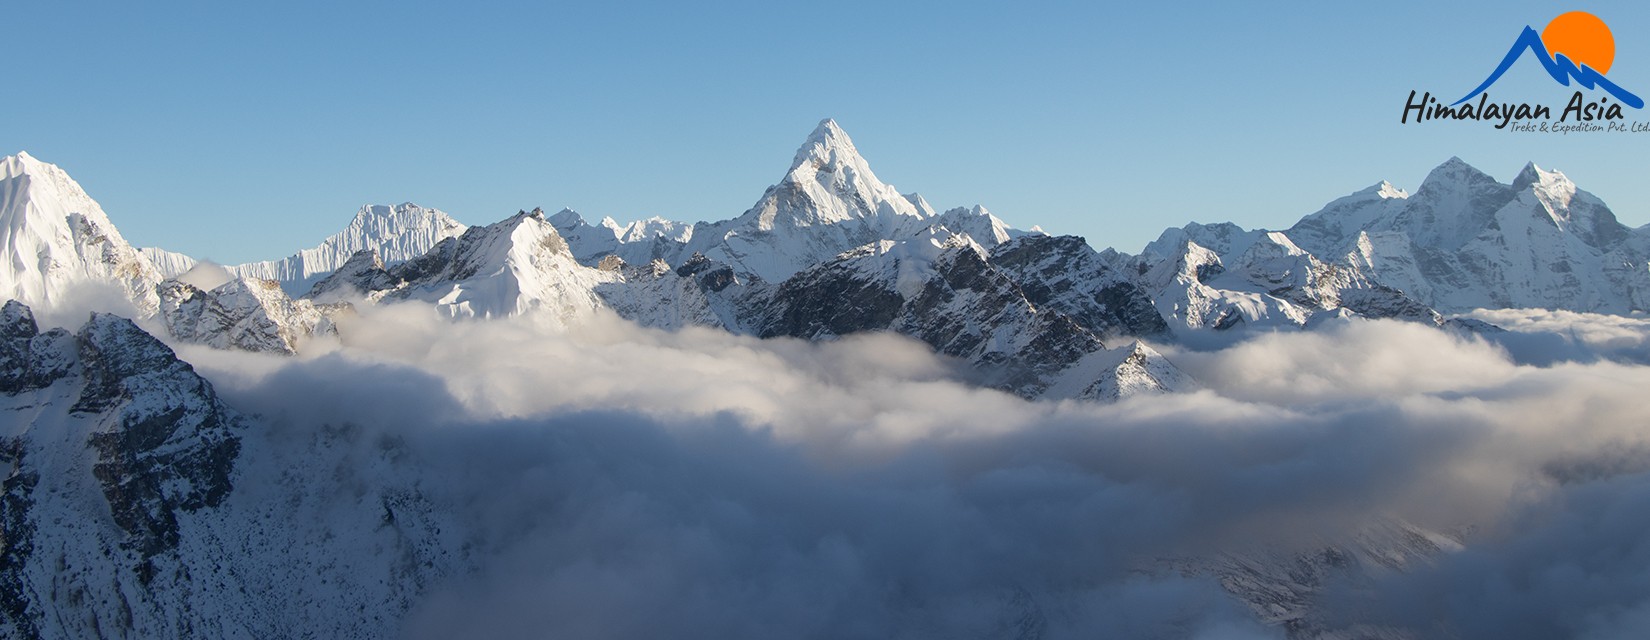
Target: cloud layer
point(622, 482)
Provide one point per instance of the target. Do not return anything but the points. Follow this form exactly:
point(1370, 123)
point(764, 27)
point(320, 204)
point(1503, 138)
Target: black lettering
point(1573, 107)
point(1419, 108)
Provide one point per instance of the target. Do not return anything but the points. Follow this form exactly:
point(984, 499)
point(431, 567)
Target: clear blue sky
point(240, 131)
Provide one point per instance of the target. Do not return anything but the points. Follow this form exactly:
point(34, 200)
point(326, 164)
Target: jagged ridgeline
point(832, 250)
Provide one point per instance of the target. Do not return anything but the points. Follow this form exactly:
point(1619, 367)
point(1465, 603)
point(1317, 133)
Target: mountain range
point(828, 252)
point(832, 250)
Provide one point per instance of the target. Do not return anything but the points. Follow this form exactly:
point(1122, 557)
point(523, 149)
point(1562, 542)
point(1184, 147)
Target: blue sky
point(241, 131)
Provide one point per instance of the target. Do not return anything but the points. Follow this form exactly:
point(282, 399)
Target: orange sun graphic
point(1583, 38)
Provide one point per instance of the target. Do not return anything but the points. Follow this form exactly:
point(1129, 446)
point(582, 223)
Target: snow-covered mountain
point(516, 266)
point(363, 277)
point(397, 233)
point(1221, 277)
point(639, 242)
point(57, 242)
point(828, 202)
point(215, 308)
point(699, 292)
point(170, 264)
point(1065, 274)
point(1461, 241)
point(138, 505)
point(1464, 241)
point(113, 425)
point(940, 289)
point(944, 291)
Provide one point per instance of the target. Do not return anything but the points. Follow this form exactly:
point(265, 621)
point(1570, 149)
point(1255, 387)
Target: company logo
point(1576, 47)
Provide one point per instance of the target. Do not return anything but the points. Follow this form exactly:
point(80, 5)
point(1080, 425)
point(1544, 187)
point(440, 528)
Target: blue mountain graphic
point(1559, 67)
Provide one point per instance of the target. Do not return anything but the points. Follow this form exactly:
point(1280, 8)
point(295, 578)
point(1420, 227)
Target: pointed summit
point(828, 144)
point(829, 156)
point(830, 183)
point(507, 268)
point(1530, 173)
point(1455, 170)
point(21, 158)
point(1454, 204)
point(566, 218)
point(46, 217)
point(1385, 190)
point(1534, 175)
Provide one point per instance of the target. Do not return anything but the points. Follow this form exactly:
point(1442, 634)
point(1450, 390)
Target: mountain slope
point(106, 422)
point(239, 313)
point(515, 266)
point(700, 292)
point(944, 291)
point(138, 505)
point(639, 242)
point(1465, 241)
point(1064, 274)
point(1257, 279)
point(57, 240)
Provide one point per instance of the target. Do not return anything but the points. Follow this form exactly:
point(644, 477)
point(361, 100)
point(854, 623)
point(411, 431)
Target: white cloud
point(1543, 336)
point(625, 482)
point(206, 275)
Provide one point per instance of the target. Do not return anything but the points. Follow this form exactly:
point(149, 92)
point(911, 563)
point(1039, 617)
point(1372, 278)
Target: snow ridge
point(57, 239)
point(398, 233)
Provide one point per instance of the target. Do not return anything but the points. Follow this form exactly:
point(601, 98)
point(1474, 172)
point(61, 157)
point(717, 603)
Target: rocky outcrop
point(248, 315)
point(946, 292)
point(161, 445)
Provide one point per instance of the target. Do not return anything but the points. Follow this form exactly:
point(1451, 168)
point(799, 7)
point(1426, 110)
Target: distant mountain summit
point(1462, 241)
point(829, 201)
point(398, 233)
point(1465, 240)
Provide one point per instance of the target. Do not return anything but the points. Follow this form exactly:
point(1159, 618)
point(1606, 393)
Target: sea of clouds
point(622, 482)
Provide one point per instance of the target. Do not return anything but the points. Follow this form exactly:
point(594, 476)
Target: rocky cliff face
point(112, 431)
point(363, 277)
point(1064, 274)
point(946, 292)
point(248, 315)
point(125, 509)
point(701, 292)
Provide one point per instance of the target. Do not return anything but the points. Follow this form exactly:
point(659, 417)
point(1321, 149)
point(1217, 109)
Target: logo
point(1577, 48)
